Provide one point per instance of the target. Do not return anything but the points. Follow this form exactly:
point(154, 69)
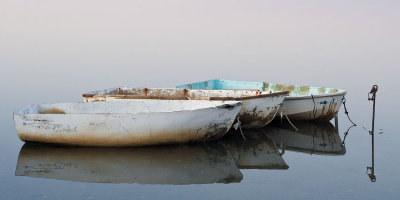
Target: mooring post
point(373, 99)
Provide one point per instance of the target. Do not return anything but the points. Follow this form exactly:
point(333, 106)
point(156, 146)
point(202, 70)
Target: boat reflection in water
point(313, 137)
point(173, 164)
point(258, 151)
point(216, 162)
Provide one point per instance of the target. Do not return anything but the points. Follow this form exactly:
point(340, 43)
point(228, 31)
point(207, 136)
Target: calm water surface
point(274, 162)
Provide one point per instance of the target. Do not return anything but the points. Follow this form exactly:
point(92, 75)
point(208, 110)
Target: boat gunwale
point(96, 92)
point(343, 92)
point(222, 105)
point(278, 93)
point(288, 97)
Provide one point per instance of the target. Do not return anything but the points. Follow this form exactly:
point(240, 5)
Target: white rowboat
point(126, 123)
point(302, 102)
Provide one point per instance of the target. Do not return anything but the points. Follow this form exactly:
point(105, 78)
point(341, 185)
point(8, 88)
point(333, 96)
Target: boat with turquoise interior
point(302, 102)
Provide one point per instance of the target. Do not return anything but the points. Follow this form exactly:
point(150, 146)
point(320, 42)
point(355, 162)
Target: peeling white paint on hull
point(259, 108)
point(126, 123)
point(322, 108)
point(172, 164)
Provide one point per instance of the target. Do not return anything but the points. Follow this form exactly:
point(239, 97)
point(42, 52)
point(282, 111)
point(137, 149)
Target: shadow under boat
point(320, 138)
point(172, 164)
point(256, 151)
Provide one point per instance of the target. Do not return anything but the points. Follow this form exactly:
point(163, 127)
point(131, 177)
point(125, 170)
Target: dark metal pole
point(373, 133)
point(372, 98)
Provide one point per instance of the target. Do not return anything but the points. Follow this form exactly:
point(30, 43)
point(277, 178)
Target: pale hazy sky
point(81, 45)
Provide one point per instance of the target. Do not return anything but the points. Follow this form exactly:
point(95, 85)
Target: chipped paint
point(324, 109)
point(321, 90)
point(281, 87)
point(265, 85)
point(127, 123)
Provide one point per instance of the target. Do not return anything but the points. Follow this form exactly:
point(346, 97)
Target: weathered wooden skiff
point(258, 109)
point(172, 164)
point(320, 138)
point(302, 103)
point(126, 123)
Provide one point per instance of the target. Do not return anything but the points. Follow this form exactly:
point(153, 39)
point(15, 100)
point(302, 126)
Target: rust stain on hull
point(328, 112)
point(52, 111)
point(257, 118)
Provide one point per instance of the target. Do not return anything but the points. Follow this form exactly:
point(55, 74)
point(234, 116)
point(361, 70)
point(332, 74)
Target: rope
point(346, 112)
point(283, 111)
point(237, 125)
point(346, 133)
